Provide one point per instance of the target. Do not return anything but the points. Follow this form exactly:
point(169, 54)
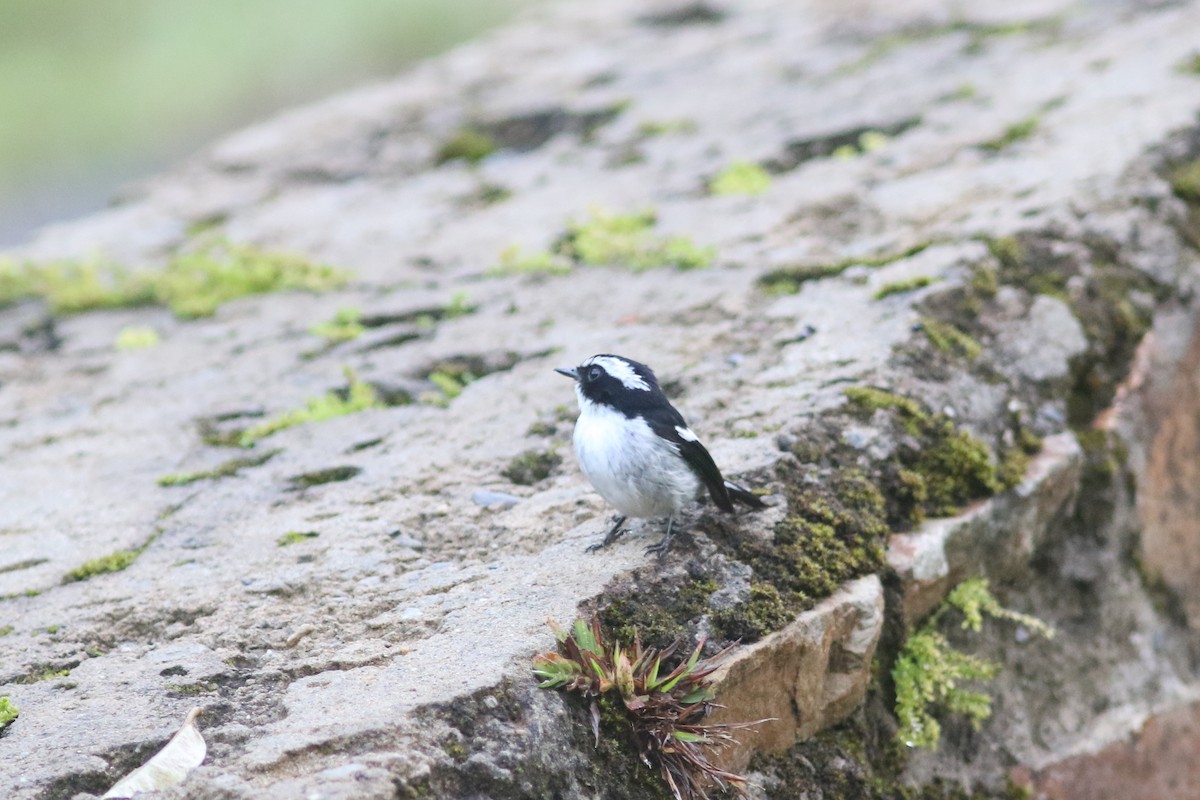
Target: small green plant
point(6, 630)
point(1185, 182)
point(293, 537)
point(136, 337)
point(8, 712)
point(741, 177)
point(928, 671)
point(1191, 64)
point(344, 326)
point(665, 709)
point(359, 396)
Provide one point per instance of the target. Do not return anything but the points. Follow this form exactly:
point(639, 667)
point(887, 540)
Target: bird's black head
point(621, 383)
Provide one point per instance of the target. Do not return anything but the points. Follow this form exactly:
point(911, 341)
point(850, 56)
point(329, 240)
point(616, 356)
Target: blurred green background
point(96, 93)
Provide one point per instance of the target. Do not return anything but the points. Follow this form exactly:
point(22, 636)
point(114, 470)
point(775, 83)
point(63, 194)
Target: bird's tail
point(743, 496)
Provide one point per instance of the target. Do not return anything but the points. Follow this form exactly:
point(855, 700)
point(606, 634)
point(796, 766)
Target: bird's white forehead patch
point(686, 434)
point(620, 370)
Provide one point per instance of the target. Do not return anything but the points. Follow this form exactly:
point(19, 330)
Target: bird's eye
point(593, 373)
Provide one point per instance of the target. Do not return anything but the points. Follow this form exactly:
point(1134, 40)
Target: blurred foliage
point(114, 89)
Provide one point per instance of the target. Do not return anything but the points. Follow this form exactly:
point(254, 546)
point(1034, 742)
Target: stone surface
point(359, 662)
point(804, 677)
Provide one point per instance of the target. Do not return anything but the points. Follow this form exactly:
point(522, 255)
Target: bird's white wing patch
point(620, 370)
point(686, 434)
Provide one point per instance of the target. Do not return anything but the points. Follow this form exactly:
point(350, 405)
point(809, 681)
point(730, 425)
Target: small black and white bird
point(638, 451)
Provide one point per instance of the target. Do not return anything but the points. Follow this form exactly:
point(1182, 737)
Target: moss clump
point(837, 531)
point(740, 177)
point(6, 630)
point(45, 672)
point(136, 337)
point(629, 239)
point(950, 339)
point(790, 279)
point(763, 612)
point(293, 537)
point(531, 466)
point(8, 712)
point(1190, 65)
point(903, 287)
point(514, 261)
point(468, 144)
point(1185, 181)
point(928, 672)
point(114, 562)
point(359, 396)
point(659, 616)
point(193, 284)
point(947, 467)
point(226, 470)
point(345, 326)
point(603, 239)
point(1014, 133)
point(196, 284)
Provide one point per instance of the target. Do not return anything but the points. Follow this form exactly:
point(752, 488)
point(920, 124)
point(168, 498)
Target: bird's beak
point(571, 373)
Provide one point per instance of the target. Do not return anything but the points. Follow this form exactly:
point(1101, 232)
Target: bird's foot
point(660, 547)
point(613, 534)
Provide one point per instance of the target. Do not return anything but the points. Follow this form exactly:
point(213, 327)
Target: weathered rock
point(1012, 158)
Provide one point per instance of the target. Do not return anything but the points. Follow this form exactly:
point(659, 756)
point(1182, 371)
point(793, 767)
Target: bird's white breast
point(641, 474)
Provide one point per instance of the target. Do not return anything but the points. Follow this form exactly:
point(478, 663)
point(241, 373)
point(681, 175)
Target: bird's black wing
point(668, 424)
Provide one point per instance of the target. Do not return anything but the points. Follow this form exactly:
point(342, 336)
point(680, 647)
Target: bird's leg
point(611, 536)
point(660, 549)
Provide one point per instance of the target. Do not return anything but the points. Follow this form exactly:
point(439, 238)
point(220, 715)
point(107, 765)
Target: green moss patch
point(1017, 132)
point(740, 177)
point(226, 470)
point(789, 279)
point(660, 614)
point(345, 326)
point(192, 284)
point(114, 562)
point(903, 287)
point(295, 537)
point(627, 240)
point(467, 144)
point(836, 531)
point(943, 468)
point(136, 337)
point(8, 712)
point(307, 480)
point(531, 466)
point(358, 396)
point(1185, 181)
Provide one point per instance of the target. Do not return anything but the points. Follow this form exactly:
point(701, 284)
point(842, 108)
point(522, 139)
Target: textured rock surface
point(390, 651)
